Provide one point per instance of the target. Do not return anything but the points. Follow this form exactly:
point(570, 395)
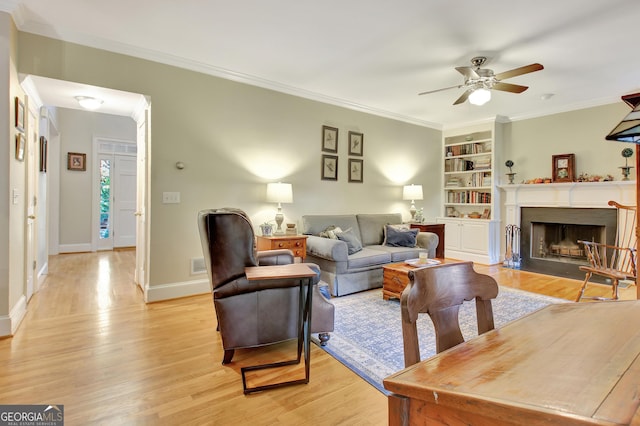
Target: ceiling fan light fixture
point(480, 96)
point(88, 102)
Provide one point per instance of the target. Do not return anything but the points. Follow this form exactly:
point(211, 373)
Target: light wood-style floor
point(89, 342)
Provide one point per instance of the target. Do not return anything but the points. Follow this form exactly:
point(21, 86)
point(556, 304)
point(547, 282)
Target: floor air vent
point(198, 266)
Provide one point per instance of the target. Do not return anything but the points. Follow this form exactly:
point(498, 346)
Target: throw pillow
point(330, 232)
point(401, 237)
point(353, 243)
point(399, 226)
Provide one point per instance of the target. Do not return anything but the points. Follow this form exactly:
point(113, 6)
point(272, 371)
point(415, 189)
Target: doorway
point(115, 184)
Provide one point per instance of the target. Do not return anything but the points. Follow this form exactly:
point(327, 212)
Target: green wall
point(233, 139)
point(531, 143)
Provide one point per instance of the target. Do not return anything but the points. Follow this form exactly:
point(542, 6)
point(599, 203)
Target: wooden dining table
point(565, 364)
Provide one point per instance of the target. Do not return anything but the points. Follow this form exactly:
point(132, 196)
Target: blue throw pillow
point(401, 237)
point(353, 243)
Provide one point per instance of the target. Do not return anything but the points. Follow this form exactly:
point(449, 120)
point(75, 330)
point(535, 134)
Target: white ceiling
point(372, 55)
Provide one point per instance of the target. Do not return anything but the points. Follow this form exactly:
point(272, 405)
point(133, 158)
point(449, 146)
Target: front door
point(116, 194)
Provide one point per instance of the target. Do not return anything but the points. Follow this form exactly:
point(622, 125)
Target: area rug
point(367, 336)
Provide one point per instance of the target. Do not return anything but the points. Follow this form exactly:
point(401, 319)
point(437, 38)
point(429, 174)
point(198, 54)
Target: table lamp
point(279, 193)
point(412, 192)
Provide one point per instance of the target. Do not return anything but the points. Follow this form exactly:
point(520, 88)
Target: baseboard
point(75, 248)
point(9, 323)
point(476, 258)
point(42, 275)
point(162, 292)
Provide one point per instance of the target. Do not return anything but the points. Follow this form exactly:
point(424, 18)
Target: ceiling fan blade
point(440, 90)
point(468, 72)
point(508, 87)
point(519, 71)
point(463, 97)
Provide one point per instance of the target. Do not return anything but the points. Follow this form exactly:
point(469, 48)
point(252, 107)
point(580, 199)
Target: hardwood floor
point(89, 342)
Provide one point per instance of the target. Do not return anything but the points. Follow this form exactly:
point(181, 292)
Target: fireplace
point(550, 235)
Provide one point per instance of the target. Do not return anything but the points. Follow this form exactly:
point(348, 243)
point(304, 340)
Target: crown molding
point(173, 60)
point(9, 6)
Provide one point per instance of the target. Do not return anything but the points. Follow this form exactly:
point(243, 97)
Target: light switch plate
point(170, 197)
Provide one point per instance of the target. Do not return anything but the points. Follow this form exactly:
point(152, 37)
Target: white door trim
point(95, 192)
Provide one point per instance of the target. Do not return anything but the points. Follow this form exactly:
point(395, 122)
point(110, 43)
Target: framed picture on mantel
point(564, 168)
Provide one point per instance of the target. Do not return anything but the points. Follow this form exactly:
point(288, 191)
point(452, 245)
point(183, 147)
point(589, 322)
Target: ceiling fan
point(479, 81)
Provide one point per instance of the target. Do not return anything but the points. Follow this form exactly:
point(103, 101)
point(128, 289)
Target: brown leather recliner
point(251, 314)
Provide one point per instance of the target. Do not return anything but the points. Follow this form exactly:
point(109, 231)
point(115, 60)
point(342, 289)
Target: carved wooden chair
point(440, 291)
point(615, 262)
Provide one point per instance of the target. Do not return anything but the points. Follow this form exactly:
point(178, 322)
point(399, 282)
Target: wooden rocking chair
point(616, 262)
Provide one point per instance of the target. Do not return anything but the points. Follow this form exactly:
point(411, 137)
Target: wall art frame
point(356, 170)
point(329, 139)
point(19, 114)
point(563, 168)
point(356, 143)
point(329, 167)
point(20, 146)
point(76, 161)
point(43, 154)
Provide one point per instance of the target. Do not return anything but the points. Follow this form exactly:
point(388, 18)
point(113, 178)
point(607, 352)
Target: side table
point(296, 243)
point(436, 228)
point(305, 276)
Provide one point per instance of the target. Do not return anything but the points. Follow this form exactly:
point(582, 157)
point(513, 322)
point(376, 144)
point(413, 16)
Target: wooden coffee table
point(396, 277)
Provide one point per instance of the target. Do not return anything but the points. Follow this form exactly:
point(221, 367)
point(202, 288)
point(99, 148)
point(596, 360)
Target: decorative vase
point(266, 229)
point(511, 176)
point(626, 170)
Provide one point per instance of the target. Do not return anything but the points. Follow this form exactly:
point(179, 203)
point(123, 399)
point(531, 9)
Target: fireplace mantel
point(573, 194)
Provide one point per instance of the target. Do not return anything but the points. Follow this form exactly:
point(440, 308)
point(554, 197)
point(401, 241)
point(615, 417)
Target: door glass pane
point(105, 198)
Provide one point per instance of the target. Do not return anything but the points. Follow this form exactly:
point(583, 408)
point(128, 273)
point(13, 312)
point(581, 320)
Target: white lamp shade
point(279, 193)
point(412, 192)
point(480, 96)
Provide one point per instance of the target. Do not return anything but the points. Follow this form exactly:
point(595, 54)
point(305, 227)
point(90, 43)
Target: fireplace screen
point(549, 242)
point(559, 241)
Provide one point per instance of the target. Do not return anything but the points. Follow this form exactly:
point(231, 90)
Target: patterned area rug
point(368, 331)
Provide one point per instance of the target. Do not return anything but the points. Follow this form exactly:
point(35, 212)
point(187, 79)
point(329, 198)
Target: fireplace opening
point(558, 242)
point(549, 242)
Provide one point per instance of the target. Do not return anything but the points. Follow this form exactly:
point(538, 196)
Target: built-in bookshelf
point(468, 174)
point(470, 201)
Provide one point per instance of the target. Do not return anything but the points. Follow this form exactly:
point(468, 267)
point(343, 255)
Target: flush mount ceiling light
point(88, 102)
point(480, 96)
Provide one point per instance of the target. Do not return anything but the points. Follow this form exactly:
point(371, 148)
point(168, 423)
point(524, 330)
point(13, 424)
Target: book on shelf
point(453, 182)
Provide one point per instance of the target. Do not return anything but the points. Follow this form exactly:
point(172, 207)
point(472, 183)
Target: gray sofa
point(349, 273)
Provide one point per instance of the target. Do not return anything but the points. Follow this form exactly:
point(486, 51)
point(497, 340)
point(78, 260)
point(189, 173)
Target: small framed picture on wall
point(355, 170)
point(20, 146)
point(329, 166)
point(76, 161)
point(43, 154)
point(564, 168)
point(19, 122)
point(329, 139)
point(356, 142)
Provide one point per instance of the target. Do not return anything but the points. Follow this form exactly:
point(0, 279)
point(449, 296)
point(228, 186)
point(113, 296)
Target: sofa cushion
point(399, 254)
point(367, 258)
point(353, 242)
point(330, 232)
point(372, 226)
point(401, 237)
point(315, 224)
point(402, 226)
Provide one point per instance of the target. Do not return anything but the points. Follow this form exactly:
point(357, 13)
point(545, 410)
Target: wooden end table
point(296, 243)
point(436, 228)
point(395, 276)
